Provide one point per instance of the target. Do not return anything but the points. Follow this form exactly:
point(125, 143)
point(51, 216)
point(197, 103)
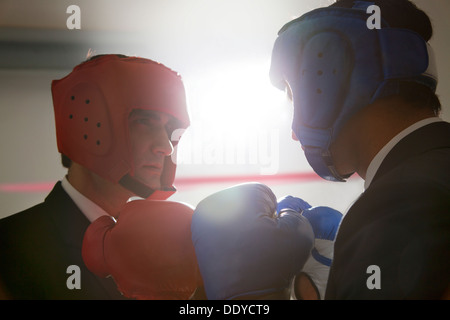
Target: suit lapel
point(433, 136)
point(71, 225)
point(69, 220)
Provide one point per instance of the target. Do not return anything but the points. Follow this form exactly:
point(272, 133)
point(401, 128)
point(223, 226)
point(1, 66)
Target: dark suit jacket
point(400, 224)
point(39, 244)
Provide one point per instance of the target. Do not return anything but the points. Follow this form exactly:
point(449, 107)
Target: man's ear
point(304, 288)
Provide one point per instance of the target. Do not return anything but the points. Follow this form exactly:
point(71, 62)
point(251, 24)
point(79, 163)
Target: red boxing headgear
point(92, 105)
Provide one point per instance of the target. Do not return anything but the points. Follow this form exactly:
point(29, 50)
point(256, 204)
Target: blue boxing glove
point(325, 222)
point(292, 203)
point(243, 248)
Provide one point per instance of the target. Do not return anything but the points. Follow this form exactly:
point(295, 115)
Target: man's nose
point(162, 144)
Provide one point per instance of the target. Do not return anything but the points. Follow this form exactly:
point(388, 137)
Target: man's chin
point(152, 180)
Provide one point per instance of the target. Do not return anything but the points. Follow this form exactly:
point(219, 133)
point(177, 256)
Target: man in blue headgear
point(364, 101)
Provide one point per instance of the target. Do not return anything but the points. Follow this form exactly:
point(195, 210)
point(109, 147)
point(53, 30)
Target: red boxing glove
point(148, 250)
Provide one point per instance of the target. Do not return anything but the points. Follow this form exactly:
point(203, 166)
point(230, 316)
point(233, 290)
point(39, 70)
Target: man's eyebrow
point(143, 113)
point(173, 122)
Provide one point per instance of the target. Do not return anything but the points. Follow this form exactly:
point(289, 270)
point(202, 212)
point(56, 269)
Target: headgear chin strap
point(92, 105)
point(334, 66)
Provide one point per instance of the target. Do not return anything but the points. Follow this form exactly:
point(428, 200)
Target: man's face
point(150, 144)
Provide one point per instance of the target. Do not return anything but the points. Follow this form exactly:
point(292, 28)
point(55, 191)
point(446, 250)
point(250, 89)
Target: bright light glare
point(238, 98)
point(236, 115)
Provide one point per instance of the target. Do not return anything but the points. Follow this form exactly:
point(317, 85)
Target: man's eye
point(170, 128)
point(147, 121)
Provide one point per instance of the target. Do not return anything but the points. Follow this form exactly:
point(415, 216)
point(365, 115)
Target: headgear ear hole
point(84, 119)
point(318, 85)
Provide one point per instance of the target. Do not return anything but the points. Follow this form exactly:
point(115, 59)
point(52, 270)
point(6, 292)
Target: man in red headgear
point(117, 120)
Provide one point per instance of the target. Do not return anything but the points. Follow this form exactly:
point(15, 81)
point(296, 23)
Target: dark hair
point(405, 14)
point(89, 57)
point(65, 160)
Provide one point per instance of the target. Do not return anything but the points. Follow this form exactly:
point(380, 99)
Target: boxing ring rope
point(180, 182)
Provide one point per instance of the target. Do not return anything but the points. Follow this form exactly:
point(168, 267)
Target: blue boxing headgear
point(335, 65)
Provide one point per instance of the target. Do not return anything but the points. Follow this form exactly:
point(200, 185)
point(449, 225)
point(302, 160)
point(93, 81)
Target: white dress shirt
point(91, 210)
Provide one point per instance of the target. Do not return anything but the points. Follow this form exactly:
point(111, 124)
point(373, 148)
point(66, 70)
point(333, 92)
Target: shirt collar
point(91, 210)
point(378, 159)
